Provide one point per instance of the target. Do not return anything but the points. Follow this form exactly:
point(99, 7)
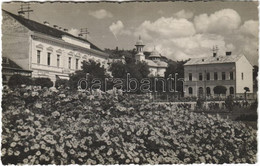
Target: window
point(231, 90)
point(231, 76)
point(49, 59)
point(190, 90)
point(69, 63)
point(208, 91)
point(58, 60)
point(190, 76)
point(77, 63)
point(242, 76)
point(215, 76)
point(38, 56)
point(208, 76)
point(200, 76)
point(223, 76)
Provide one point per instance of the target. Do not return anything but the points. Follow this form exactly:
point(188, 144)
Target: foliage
point(250, 117)
point(43, 82)
point(229, 103)
point(219, 90)
point(90, 70)
point(67, 127)
point(17, 80)
point(246, 90)
point(200, 103)
point(61, 82)
point(137, 70)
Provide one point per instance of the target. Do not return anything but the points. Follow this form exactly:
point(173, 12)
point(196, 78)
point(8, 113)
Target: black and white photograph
point(129, 82)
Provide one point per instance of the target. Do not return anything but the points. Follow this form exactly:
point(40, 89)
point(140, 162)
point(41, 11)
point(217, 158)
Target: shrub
point(43, 82)
point(17, 80)
point(61, 82)
point(229, 103)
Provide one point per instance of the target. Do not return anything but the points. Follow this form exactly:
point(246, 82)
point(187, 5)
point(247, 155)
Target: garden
point(62, 126)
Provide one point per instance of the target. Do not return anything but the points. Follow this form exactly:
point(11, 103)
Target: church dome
point(155, 54)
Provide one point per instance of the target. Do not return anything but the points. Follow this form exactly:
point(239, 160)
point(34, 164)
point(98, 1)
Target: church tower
point(139, 47)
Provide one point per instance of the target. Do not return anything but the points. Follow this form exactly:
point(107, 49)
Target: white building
point(46, 51)
point(157, 67)
point(203, 74)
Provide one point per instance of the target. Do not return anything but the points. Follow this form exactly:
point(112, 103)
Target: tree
point(246, 90)
point(43, 82)
point(17, 80)
point(255, 75)
point(220, 90)
point(90, 69)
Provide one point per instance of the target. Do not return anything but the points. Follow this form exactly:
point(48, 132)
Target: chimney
point(228, 53)
point(46, 23)
point(55, 26)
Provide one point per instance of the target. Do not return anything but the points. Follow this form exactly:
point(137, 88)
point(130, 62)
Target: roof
point(152, 63)
point(214, 60)
point(47, 30)
point(155, 54)
point(9, 64)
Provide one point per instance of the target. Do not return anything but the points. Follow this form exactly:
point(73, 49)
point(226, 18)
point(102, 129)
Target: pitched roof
point(9, 64)
point(44, 29)
point(214, 60)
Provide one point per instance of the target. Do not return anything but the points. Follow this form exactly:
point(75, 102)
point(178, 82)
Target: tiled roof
point(44, 29)
point(213, 60)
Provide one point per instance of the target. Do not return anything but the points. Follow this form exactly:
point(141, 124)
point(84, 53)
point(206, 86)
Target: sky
point(178, 30)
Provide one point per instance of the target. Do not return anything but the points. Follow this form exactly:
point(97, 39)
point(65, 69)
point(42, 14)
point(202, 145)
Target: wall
point(243, 66)
point(63, 71)
point(209, 68)
point(15, 41)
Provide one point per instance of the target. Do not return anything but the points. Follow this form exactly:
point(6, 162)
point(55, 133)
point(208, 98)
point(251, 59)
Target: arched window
point(231, 90)
point(208, 90)
point(190, 90)
point(200, 91)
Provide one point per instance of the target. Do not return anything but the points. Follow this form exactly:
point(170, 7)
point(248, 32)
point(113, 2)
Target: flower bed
point(63, 127)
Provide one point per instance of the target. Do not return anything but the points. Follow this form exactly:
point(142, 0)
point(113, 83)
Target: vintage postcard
point(105, 83)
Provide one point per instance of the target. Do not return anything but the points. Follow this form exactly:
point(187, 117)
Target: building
point(46, 51)
point(157, 67)
point(10, 68)
point(203, 74)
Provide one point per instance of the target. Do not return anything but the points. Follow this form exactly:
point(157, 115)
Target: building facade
point(156, 66)
point(202, 75)
point(44, 50)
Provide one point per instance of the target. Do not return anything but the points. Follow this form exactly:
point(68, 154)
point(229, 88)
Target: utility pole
point(84, 32)
point(25, 8)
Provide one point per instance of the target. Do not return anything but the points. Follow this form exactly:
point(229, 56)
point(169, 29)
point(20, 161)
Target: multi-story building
point(47, 51)
point(156, 66)
point(231, 71)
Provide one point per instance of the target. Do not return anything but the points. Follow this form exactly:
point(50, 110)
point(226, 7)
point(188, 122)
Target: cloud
point(166, 27)
point(180, 38)
point(117, 28)
point(250, 27)
point(74, 31)
point(223, 21)
point(184, 14)
point(101, 14)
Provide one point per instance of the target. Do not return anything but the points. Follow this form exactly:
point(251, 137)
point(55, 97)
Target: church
point(157, 67)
